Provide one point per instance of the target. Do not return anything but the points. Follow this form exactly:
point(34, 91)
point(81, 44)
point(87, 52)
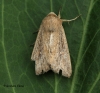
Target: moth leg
point(64, 20)
point(35, 32)
point(32, 45)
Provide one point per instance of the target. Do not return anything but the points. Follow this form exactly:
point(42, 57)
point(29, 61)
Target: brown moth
point(51, 49)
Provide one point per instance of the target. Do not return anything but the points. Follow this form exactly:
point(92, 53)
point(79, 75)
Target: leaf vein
point(3, 45)
point(81, 47)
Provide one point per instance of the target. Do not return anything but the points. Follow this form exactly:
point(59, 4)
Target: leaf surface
point(20, 18)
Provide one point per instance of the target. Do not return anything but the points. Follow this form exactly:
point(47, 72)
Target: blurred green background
point(20, 18)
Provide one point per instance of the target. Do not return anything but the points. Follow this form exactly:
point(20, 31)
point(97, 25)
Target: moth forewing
point(51, 49)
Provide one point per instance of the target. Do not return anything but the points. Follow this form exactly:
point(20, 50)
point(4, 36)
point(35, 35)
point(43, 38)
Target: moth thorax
point(52, 13)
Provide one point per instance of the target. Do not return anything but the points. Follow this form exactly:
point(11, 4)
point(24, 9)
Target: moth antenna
point(64, 20)
point(35, 32)
point(59, 16)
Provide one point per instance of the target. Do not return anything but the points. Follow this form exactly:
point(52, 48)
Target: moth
point(51, 48)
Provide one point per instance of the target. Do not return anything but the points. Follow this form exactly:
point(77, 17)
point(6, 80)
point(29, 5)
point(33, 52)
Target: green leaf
point(20, 18)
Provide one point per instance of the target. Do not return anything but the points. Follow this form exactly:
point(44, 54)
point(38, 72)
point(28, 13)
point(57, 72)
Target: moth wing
point(62, 60)
point(65, 61)
point(40, 62)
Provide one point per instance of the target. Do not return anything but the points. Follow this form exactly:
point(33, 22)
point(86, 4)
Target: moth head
point(52, 13)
